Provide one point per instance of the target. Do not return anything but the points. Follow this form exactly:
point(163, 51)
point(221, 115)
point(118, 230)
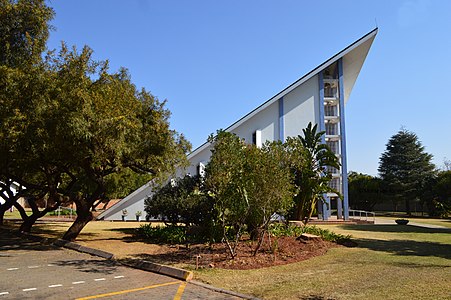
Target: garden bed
point(282, 251)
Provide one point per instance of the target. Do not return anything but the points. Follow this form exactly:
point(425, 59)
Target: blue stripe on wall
point(281, 121)
point(344, 168)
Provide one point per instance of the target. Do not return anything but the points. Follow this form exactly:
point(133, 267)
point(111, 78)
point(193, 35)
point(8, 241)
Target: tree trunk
point(2, 214)
point(28, 223)
point(408, 207)
point(83, 217)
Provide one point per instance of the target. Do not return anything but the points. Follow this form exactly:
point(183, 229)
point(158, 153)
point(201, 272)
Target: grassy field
point(390, 261)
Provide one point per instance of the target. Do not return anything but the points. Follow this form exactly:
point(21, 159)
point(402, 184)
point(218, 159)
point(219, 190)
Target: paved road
point(30, 270)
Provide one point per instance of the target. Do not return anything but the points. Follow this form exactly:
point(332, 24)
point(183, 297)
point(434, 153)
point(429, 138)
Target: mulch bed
point(282, 251)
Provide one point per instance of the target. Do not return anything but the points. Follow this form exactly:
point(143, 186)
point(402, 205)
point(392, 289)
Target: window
point(335, 184)
point(332, 170)
point(331, 129)
point(333, 146)
point(257, 138)
point(201, 169)
point(330, 90)
point(330, 110)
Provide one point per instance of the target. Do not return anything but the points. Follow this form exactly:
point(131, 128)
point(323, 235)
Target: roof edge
point(292, 86)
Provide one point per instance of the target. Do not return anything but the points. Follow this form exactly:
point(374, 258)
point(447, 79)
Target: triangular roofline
point(367, 37)
point(292, 86)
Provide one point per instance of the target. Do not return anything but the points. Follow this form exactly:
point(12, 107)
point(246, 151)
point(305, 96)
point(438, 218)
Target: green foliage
point(405, 167)
point(70, 129)
point(365, 191)
point(162, 234)
point(441, 203)
point(24, 30)
point(248, 185)
point(181, 201)
point(309, 159)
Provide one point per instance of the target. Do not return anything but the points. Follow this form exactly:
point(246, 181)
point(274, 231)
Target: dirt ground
point(279, 251)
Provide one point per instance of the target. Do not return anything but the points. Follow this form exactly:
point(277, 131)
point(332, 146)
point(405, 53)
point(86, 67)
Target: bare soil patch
point(282, 251)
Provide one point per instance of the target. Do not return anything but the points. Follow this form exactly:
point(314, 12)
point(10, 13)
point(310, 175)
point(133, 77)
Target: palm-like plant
point(309, 161)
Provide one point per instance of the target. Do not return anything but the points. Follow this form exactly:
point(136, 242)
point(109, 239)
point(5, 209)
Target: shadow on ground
point(100, 266)
point(407, 247)
point(10, 241)
point(395, 228)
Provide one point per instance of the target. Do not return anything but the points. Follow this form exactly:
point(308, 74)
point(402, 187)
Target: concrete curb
point(223, 291)
point(160, 269)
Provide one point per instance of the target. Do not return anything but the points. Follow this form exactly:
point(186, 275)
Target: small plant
point(138, 213)
point(124, 212)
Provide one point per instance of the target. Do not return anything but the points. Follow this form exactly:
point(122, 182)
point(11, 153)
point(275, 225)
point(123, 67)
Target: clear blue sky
point(214, 61)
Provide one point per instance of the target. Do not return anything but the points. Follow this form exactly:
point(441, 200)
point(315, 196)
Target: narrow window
point(257, 138)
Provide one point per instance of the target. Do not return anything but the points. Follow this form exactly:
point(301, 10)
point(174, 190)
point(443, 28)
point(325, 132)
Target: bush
point(162, 234)
point(174, 234)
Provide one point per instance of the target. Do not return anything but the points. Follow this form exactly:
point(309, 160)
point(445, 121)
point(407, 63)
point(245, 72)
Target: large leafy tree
point(405, 167)
point(24, 29)
point(309, 162)
point(69, 124)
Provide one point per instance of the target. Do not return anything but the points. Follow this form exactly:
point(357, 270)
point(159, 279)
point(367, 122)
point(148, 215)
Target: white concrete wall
point(266, 120)
point(301, 106)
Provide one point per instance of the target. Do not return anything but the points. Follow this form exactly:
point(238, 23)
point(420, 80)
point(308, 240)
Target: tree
point(226, 183)
point(405, 167)
point(365, 191)
point(310, 161)
point(24, 30)
point(269, 189)
point(441, 204)
point(248, 185)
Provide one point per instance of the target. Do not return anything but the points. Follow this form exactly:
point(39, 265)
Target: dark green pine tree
point(405, 166)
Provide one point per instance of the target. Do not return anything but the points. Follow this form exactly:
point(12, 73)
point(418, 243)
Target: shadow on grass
point(395, 228)
point(407, 248)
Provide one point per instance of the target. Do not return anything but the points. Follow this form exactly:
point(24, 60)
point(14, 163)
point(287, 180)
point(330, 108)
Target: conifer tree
point(405, 166)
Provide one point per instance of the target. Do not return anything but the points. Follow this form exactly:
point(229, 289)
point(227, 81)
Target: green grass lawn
point(390, 262)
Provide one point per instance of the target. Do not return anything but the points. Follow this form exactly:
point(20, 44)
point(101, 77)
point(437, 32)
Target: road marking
point(55, 285)
point(180, 290)
point(4, 293)
point(78, 282)
point(33, 267)
point(12, 269)
point(99, 279)
point(30, 289)
point(120, 276)
point(129, 291)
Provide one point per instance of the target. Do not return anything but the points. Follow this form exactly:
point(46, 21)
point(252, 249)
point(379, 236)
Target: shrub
point(162, 234)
